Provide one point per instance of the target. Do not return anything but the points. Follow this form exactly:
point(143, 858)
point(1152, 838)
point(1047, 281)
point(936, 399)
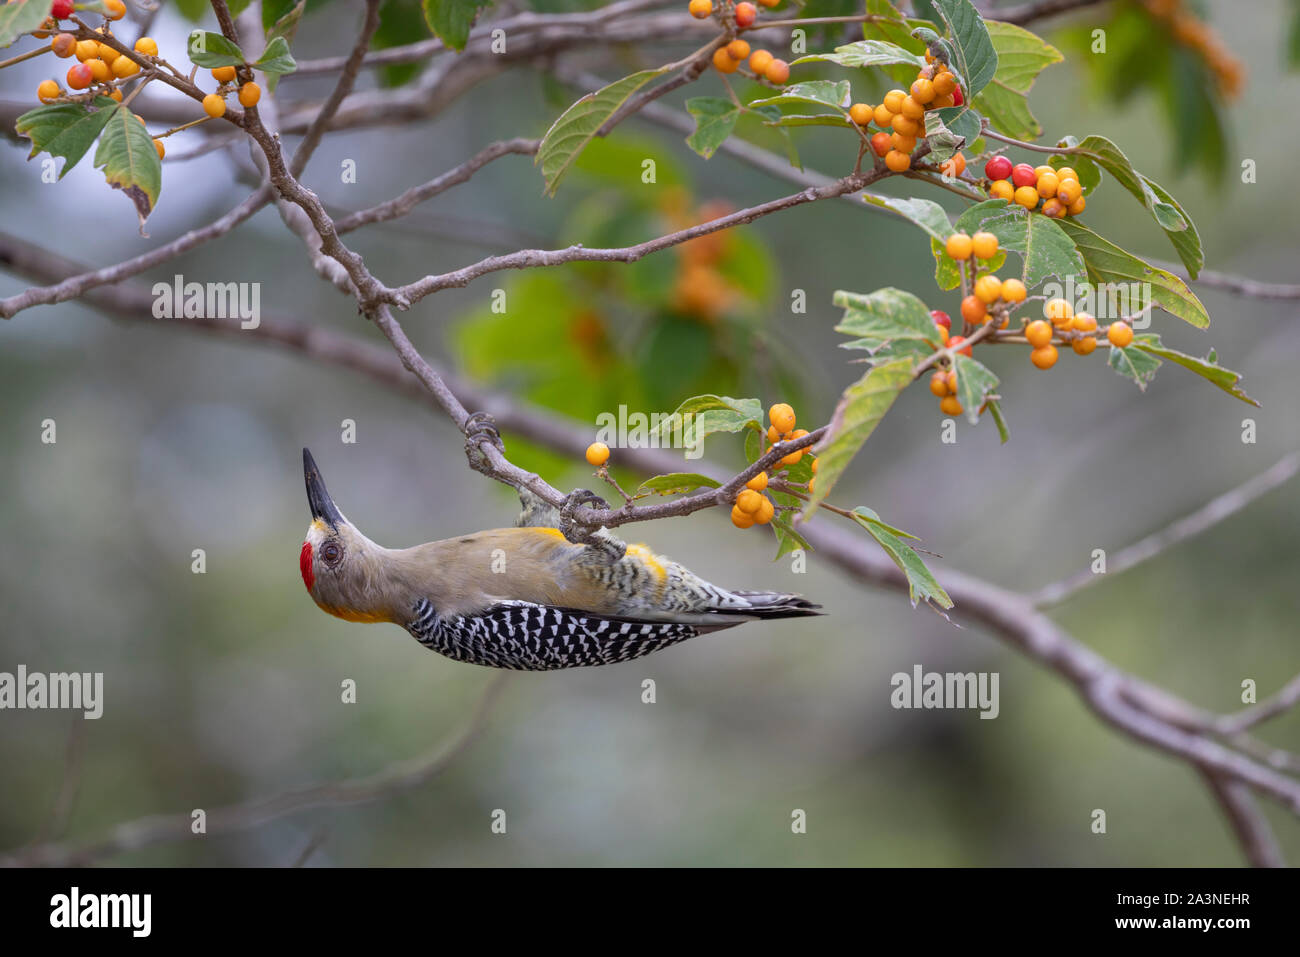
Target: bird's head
point(341, 568)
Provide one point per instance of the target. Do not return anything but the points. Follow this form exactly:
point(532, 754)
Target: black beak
point(322, 506)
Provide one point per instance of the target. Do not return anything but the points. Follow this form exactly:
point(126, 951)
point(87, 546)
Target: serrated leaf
point(921, 583)
point(976, 58)
point(677, 482)
point(866, 53)
point(974, 382)
point(1089, 172)
point(884, 315)
point(1108, 263)
point(1046, 250)
point(715, 119)
point(451, 20)
point(885, 23)
point(1164, 209)
point(208, 49)
point(1021, 57)
point(925, 213)
point(21, 16)
point(577, 125)
point(995, 410)
point(943, 141)
point(64, 129)
point(1133, 363)
point(703, 415)
point(856, 416)
point(276, 60)
point(962, 121)
point(830, 93)
point(130, 161)
point(1207, 368)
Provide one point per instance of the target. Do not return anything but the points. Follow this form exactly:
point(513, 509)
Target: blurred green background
point(226, 685)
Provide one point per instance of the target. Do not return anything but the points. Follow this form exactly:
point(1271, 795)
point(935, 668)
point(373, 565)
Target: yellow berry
point(738, 49)
point(1067, 172)
point(912, 108)
point(107, 53)
point(86, 50)
point(1048, 184)
point(1084, 346)
point(1068, 191)
point(814, 466)
point(923, 91)
point(249, 94)
point(894, 100)
point(214, 106)
point(722, 61)
point(988, 289)
point(1059, 311)
point(1077, 206)
point(748, 501)
point(99, 70)
point(162, 150)
point(1038, 333)
point(859, 113)
point(883, 116)
point(116, 9)
point(901, 143)
point(1044, 357)
point(147, 45)
point(223, 74)
point(47, 91)
point(782, 418)
point(758, 482)
point(741, 519)
point(124, 66)
point(938, 387)
point(1120, 334)
point(1002, 189)
point(1083, 322)
point(984, 245)
point(1013, 290)
point(1027, 197)
point(766, 511)
point(950, 406)
point(959, 246)
point(597, 454)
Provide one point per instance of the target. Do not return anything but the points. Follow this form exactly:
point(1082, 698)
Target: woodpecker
point(523, 598)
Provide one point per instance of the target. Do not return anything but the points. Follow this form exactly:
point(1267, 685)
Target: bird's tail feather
point(770, 604)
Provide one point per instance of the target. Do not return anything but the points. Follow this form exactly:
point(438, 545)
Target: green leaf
point(276, 60)
point(276, 11)
point(925, 213)
point(1021, 57)
point(1133, 363)
point(703, 415)
point(1046, 250)
point(451, 20)
point(802, 119)
point(866, 53)
point(1107, 263)
point(995, 410)
point(754, 444)
point(892, 27)
point(884, 315)
point(577, 125)
point(856, 416)
point(974, 383)
point(1207, 368)
point(715, 119)
point(676, 482)
point(921, 583)
point(285, 25)
point(1164, 209)
point(831, 93)
point(976, 58)
point(21, 16)
point(787, 539)
point(208, 49)
point(1089, 172)
point(943, 141)
point(129, 160)
point(64, 129)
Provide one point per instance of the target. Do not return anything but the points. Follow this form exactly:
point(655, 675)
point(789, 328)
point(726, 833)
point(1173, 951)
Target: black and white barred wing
point(528, 637)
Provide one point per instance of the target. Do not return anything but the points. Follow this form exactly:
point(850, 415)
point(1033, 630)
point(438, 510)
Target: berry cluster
point(903, 113)
point(752, 506)
point(701, 290)
point(1057, 189)
point(1079, 329)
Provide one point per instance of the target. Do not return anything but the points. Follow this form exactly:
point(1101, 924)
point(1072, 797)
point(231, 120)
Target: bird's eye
point(331, 552)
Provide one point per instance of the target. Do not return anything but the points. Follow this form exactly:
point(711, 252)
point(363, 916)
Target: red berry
point(746, 14)
point(80, 76)
point(956, 341)
point(957, 98)
point(999, 167)
point(1023, 175)
point(941, 318)
point(61, 9)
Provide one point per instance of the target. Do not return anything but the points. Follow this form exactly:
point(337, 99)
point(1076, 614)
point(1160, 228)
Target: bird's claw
point(582, 535)
point(481, 428)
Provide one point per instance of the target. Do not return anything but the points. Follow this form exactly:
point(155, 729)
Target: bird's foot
point(480, 429)
point(599, 539)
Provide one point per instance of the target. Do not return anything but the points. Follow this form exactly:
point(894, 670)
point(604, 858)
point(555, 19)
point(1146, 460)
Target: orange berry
point(950, 406)
point(738, 49)
point(80, 76)
point(957, 341)
point(99, 70)
point(597, 454)
point(223, 74)
point(1068, 191)
point(741, 519)
point(214, 106)
point(162, 150)
point(1059, 311)
point(147, 45)
point(116, 9)
point(1027, 197)
point(777, 72)
point(893, 100)
point(959, 246)
point(905, 125)
point(748, 501)
point(904, 144)
point(1040, 171)
point(1053, 208)
point(86, 50)
point(1048, 184)
point(108, 54)
point(898, 161)
point(984, 245)
point(954, 167)
point(1083, 322)
point(782, 418)
point(64, 45)
point(47, 91)
point(1038, 333)
point(1067, 172)
point(1119, 333)
point(758, 61)
point(938, 386)
point(766, 511)
point(911, 108)
point(746, 14)
point(758, 482)
point(945, 83)
point(701, 8)
point(988, 289)
point(124, 66)
point(813, 466)
point(723, 62)
point(1013, 290)
point(1084, 346)
point(883, 116)
point(1077, 206)
point(249, 94)
point(1044, 357)
point(881, 143)
point(973, 309)
point(769, 3)
point(1002, 189)
point(116, 94)
point(859, 113)
point(950, 380)
point(923, 91)
point(773, 435)
point(943, 334)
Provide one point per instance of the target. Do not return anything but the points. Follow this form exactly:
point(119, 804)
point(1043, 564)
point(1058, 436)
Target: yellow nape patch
point(551, 533)
point(649, 559)
point(351, 614)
